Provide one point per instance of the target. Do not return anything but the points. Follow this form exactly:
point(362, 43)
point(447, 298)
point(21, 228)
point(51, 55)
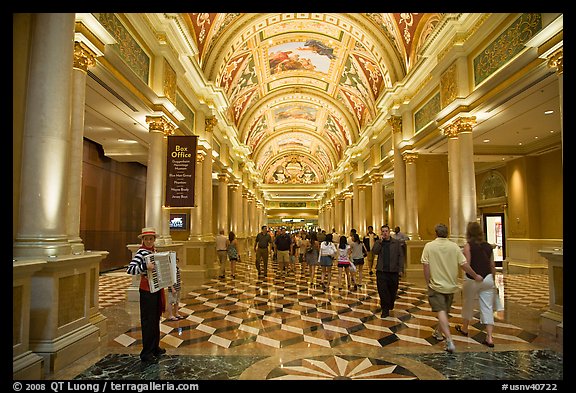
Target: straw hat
point(147, 232)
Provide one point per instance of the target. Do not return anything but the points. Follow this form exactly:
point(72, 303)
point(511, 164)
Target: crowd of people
point(383, 253)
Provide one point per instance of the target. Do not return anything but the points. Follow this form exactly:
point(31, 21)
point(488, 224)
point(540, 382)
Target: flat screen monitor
point(178, 221)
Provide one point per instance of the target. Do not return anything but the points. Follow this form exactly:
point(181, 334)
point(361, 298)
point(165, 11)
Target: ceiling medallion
point(293, 172)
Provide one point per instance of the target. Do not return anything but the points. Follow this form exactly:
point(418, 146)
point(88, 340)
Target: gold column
point(399, 174)
point(83, 58)
point(377, 202)
point(451, 133)
point(361, 220)
point(222, 216)
point(234, 207)
point(207, 197)
point(466, 185)
point(159, 127)
point(347, 213)
point(197, 213)
point(41, 229)
point(411, 196)
point(556, 60)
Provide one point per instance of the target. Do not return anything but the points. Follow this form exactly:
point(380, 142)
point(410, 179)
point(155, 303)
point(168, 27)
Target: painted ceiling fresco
point(303, 86)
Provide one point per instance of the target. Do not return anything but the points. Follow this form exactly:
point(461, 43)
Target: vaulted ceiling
point(302, 86)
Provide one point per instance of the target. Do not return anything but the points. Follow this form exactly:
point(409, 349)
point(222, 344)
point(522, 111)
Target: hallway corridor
point(283, 328)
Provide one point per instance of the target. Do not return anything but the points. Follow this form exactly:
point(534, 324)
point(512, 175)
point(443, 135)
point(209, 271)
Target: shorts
point(326, 260)
point(359, 261)
point(440, 301)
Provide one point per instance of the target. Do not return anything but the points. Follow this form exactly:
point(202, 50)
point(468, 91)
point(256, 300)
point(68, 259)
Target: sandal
point(180, 317)
point(489, 345)
point(462, 332)
point(173, 319)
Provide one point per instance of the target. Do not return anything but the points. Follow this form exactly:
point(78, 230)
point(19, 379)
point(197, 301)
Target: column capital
point(83, 56)
point(462, 124)
point(210, 123)
point(376, 178)
point(233, 186)
point(199, 157)
point(160, 124)
point(223, 177)
point(361, 187)
point(556, 60)
point(396, 123)
point(410, 158)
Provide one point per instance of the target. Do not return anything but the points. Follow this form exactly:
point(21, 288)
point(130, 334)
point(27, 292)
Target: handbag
point(498, 306)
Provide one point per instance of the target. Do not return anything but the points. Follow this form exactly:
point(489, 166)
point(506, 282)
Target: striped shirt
point(138, 265)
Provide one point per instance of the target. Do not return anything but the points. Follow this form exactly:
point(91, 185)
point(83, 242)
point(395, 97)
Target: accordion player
point(164, 273)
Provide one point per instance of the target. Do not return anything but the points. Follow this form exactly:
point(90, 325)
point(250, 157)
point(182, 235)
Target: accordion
point(164, 273)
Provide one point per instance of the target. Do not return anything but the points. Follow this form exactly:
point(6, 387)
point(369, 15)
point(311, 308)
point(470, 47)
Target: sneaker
point(450, 347)
point(438, 335)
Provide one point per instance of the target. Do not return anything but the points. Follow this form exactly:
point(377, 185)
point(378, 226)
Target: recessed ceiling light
point(486, 140)
point(548, 112)
point(519, 143)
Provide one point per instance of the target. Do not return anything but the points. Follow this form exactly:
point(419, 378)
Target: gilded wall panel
point(427, 113)
point(126, 46)
point(506, 46)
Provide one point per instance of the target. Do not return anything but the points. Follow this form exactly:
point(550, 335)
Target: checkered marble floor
point(527, 290)
point(283, 328)
point(286, 312)
point(112, 288)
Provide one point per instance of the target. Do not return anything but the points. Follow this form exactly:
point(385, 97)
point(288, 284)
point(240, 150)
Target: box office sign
point(180, 170)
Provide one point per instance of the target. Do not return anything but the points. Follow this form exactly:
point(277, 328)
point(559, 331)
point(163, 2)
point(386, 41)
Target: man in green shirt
point(263, 239)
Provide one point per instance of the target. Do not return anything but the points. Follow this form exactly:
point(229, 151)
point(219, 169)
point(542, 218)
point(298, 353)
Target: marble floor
point(283, 328)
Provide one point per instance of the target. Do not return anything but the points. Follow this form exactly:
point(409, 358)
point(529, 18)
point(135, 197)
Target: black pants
point(387, 284)
point(150, 312)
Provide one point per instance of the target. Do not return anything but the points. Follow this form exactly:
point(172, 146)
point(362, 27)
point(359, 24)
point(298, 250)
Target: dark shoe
point(385, 313)
point(147, 359)
point(462, 332)
point(159, 352)
point(371, 272)
point(489, 345)
point(221, 276)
